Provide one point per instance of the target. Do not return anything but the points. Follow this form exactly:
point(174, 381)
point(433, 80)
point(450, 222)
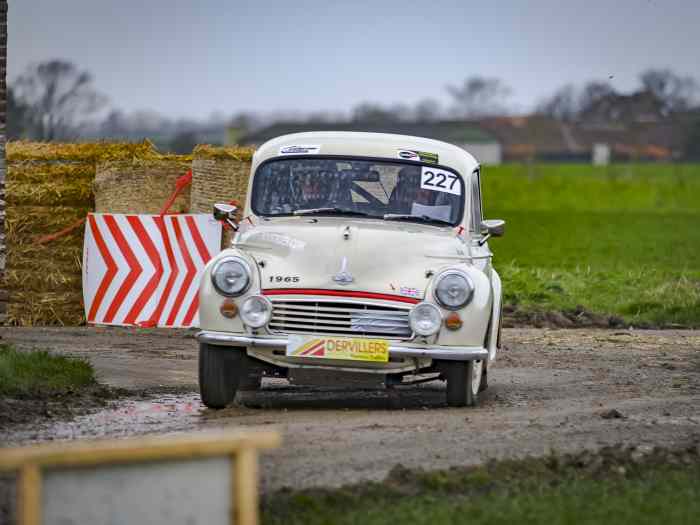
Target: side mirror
point(493, 227)
point(227, 213)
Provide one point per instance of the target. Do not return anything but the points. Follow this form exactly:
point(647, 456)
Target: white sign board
point(144, 270)
point(196, 492)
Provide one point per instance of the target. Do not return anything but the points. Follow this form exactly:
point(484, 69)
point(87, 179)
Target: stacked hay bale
point(49, 189)
point(219, 174)
point(141, 185)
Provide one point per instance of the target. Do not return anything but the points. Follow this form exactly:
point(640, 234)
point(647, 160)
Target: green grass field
point(613, 487)
point(621, 240)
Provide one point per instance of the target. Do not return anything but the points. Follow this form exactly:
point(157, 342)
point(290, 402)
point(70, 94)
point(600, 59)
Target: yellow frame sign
point(241, 447)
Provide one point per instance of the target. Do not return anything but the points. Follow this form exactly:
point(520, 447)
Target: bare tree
point(427, 110)
point(59, 97)
point(592, 93)
point(569, 103)
point(561, 105)
point(17, 117)
point(480, 97)
point(372, 112)
point(675, 92)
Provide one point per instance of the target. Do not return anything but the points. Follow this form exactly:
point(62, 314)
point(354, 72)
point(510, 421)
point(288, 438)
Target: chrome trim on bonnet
point(450, 353)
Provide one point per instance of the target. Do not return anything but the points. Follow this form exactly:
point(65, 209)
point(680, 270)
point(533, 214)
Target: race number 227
point(440, 180)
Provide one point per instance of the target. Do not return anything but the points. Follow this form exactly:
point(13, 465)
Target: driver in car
point(408, 197)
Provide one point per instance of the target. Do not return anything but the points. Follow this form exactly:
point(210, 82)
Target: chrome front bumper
point(449, 353)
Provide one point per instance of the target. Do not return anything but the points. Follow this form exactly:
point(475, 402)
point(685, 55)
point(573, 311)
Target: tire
point(463, 383)
point(218, 375)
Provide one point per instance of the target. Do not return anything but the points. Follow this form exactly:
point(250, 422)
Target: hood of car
point(334, 253)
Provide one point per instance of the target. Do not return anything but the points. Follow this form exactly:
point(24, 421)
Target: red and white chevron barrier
point(145, 269)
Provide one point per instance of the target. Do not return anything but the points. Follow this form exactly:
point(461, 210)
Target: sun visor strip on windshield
point(340, 293)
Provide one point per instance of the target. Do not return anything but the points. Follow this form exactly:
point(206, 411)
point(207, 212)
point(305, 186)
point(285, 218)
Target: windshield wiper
point(330, 211)
point(411, 217)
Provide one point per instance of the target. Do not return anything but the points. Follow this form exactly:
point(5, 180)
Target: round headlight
point(425, 319)
point(256, 311)
point(454, 290)
point(231, 276)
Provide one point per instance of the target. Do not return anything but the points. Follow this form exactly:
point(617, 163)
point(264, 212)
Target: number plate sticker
point(440, 180)
point(349, 349)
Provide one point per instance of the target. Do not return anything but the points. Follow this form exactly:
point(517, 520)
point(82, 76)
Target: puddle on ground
point(124, 417)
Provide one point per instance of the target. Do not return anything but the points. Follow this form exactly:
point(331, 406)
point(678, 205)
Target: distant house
point(535, 137)
point(614, 110)
point(635, 131)
point(469, 136)
point(647, 137)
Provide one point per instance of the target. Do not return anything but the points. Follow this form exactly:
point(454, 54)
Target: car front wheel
point(464, 383)
point(218, 374)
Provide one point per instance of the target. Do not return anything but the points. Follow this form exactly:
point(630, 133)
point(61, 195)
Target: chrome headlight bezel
point(469, 285)
point(246, 267)
point(412, 319)
point(268, 311)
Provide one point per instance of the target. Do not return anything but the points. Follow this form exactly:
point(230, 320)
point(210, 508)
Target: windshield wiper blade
point(410, 217)
point(330, 210)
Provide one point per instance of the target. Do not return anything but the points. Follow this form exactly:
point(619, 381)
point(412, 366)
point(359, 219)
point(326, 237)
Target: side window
point(476, 203)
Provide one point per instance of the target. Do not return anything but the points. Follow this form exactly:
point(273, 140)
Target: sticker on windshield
point(440, 180)
point(300, 150)
point(419, 156)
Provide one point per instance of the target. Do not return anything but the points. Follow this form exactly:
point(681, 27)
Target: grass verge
point(41, 374)
point(616, 485)
point(620, 242)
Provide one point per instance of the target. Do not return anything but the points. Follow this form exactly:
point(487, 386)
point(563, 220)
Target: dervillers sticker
point(351, 349)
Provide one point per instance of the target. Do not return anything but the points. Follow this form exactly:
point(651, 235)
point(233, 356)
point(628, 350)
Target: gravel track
point(562, 390)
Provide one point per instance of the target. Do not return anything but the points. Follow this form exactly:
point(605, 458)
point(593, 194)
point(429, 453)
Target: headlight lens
point(256, 311)
point(425, 319)
point(231, 276)
point(454, 290)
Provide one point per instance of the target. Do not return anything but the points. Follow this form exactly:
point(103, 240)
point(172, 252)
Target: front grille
point(341, 318)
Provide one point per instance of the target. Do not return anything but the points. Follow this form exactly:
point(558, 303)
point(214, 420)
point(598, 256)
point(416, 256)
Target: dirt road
point(550, 389)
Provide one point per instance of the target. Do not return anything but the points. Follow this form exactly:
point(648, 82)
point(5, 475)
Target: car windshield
point(378, 189)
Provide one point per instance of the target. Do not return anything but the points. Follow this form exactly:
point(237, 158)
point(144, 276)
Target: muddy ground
point(565, 390)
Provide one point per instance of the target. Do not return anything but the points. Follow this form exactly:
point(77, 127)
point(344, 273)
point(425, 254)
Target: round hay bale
point(218, 180)
point(140, 186)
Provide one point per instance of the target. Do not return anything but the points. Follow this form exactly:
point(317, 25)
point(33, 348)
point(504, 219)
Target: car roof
point(359, 144)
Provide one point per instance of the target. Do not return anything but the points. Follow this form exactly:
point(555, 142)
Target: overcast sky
point(191, 58)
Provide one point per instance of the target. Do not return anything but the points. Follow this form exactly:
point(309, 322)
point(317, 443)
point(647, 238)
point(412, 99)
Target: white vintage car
point(362, 252)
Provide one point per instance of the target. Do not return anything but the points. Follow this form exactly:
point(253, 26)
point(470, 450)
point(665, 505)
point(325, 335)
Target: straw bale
point(49, 193)
point(218, 180)
point(50, 257)
point(84, 151)
point(53, 308)
point(51, 279)
point(140, 187)
point(241, 153)
point(39, 172)
point(49, 188)
point(24, 223)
